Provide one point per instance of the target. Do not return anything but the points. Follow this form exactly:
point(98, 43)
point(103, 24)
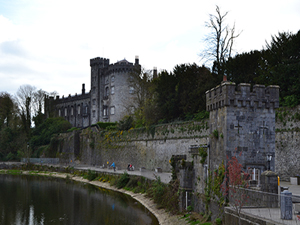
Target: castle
point(110, 98)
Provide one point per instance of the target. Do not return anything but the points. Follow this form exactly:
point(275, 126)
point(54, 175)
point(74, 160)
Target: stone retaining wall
point(150, 148)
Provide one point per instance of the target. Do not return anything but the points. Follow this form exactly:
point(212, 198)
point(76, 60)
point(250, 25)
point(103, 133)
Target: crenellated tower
point(99, 67)
point(242, 123)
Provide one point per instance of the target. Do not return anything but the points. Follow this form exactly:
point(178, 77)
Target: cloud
point(13, 47)
point(50, 43)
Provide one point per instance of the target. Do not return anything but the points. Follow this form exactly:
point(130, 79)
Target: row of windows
point(65, 112)
point(105, 111)
point(112, 90)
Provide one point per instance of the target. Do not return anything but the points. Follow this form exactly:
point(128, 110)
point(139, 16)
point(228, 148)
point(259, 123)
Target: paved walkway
point(273, 215)
point(164, 177)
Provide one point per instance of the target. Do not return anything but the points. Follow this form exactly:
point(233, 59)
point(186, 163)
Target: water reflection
point(37, 200)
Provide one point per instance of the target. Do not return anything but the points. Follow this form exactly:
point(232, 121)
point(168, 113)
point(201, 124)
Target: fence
point(261, 206)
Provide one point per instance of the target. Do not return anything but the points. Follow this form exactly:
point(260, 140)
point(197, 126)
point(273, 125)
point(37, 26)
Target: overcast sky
point(48, 43)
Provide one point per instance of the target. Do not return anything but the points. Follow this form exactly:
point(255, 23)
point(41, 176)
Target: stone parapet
point(99, 61)
point(227, 95)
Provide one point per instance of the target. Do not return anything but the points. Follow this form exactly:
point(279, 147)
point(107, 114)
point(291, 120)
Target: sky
point(49, 43)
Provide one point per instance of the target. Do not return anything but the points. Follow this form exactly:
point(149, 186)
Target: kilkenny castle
point(110, 98)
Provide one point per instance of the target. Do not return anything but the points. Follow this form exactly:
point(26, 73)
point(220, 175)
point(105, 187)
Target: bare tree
point(24, 99)
point(142, 89)
point(219, 42)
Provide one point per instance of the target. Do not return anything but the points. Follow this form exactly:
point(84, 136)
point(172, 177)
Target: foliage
point(181, 94)
point(218, 221)
point(203, 154)
point(104, 125)
point(72, 129)
point(126, 123)
point(216, 134)
point(173, 164)
point(218, 180)
point(91, 175)
point(165, 195)
point(143, 98)
point(243, 67)
point(42, 134)
point(123, 180)
point(199, 116)
point(235, 185)
point(290, 101)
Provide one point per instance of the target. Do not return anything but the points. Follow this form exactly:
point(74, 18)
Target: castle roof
point(123, 61)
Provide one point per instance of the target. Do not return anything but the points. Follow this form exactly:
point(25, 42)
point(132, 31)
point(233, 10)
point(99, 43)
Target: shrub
point(91, 175)
point(104, 125)
point(123, 180)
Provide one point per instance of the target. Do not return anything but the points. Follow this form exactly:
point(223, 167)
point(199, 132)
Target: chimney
point(136, 60)
point(83, 89)
point(154, 72)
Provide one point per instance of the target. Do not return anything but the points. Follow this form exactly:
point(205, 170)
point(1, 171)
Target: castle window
point(106, 91)
point(105, 112)
point(113, 79)
point(71, 111)
point(112, 90)
point(59, 112)
point(66, 111)
point(131, 90)
point(94, 101)
point(94, 113)
point(78, 109)
point(112, 110)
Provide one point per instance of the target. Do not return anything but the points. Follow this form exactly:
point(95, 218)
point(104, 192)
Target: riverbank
point(163, 217)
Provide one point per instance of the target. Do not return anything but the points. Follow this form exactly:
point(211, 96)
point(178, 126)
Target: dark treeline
point(277, 64)
point(169, 96)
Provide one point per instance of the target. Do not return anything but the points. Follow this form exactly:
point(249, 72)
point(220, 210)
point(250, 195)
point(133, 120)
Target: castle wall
point(75, 109)
point(140, 147)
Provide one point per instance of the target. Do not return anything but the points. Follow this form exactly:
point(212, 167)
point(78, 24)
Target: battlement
point(99, 61)
point(226, 95)
point(121, 67)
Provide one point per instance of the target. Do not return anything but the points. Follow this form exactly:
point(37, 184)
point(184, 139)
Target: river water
point(37, 200)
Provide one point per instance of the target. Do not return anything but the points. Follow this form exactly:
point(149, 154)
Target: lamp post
point(269, 159)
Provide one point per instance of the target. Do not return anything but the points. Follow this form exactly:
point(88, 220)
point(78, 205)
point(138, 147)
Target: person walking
point(114, 166)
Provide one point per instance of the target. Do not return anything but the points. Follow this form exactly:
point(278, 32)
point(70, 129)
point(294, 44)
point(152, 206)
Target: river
point(38, 200)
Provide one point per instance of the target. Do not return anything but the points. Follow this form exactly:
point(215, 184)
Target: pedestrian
point(114, 166)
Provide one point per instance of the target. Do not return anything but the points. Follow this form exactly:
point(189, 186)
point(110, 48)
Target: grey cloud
point(12, 48)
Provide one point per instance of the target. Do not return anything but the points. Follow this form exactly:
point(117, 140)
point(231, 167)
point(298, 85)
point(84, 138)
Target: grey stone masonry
point(242, 124)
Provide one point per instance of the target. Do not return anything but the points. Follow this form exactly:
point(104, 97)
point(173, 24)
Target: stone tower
point(111, 92)
point(242, 123)
point(99, 67)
